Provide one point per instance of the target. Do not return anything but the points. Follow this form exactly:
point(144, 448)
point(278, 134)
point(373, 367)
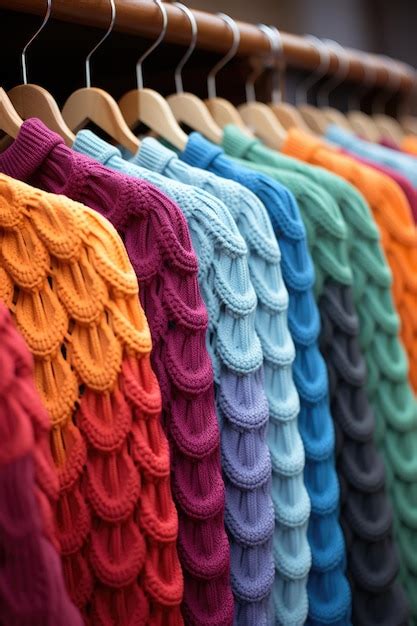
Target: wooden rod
point(142, 18)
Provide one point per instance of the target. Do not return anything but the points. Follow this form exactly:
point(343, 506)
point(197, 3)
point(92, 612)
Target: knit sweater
point(387, 385)
point(236, 354)
point(398, 233)
point(329, 596)
point(365, 511)
point(398, 161)
point(32, 589)
point(291, 549)
point(67, 279)
point(157, 239)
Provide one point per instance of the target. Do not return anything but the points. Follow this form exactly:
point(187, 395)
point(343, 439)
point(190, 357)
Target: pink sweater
point(158, 243)
point(32, 590)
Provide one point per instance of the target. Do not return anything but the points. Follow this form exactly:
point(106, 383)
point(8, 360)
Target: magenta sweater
point(158, 243)
point(32, 589)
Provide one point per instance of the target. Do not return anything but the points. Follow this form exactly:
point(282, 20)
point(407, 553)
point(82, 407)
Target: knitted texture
point(157, 239)
point(328, 589)
point(291, 502)
point(65, 275)
point(32, 589)
point(387, 385)
point(366, 514)
point(398, 161)
point(392, 213)
point(236, 354)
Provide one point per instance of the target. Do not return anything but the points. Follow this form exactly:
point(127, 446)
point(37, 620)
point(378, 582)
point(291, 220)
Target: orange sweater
point(409, 144)
point(66, 277)
point(391, 212)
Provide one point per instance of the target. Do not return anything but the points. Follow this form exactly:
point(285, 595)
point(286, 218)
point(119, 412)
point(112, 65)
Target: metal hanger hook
point(32, 39)
point(194, 32)
point(320, 71)
point(276, 50)
point(139, 72)
point(211, 78)
point(106, 34)
point(338, 77)
point(391, 87)
point(369, 79)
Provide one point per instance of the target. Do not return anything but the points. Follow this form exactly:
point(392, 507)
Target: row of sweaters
point(241, 349)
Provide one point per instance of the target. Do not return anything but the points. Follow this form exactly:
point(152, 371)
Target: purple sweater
point(158, 243)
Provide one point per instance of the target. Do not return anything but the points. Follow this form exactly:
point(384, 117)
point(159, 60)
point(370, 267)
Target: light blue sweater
point(236, 352)
point(398, 161)
point(291, 549)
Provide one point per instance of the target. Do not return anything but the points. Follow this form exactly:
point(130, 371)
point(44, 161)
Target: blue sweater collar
point(200, 152)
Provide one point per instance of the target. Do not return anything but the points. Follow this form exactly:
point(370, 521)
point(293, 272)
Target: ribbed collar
point(236, 143)
point(88, 143)
point(29, 150)
point(153, 155)
point(200, 152)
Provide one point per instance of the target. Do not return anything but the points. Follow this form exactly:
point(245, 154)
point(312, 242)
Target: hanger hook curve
point(338, 77)
point(275, 45)
point(368, 82)
point(139, 72)
point(211, 78)
point(391, 87)
point(320, 71)
point(106, 34)
point(179, 88)
point(32, 39)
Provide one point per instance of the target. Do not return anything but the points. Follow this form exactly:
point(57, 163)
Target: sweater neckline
point(200, 152)
point(236, 143)
point(29, 150)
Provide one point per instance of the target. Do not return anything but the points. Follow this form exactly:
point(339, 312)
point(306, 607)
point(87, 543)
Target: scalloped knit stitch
point(366, 519)
point(157, 239)
point(230, 298)
point(32, 589)
point(310, 377)
point(291, 549)
point(67, 278)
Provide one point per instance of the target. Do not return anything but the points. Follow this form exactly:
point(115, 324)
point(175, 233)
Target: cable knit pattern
point(32, 589)
point(236, 355)
point(157, 239)
point(310, 376)
point(372, 557)
point(66, 276)
point(387, 385)
point(291, 549)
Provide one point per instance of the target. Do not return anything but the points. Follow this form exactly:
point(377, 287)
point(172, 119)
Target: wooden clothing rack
point(142, 18)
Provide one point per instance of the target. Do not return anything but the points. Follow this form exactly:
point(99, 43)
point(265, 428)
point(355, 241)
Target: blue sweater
point(291, 502)
point(236, 353)
point(310, 373)
point(398, 161)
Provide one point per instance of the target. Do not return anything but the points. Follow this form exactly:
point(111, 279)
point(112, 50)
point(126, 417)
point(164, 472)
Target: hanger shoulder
point(314, 118)
point(389, 127)
point(259, 118)
point(288, 116)
point(409, 124)
point(190, 110)
point(150, 108)
point(35, 101)
point(10, 122)
point(364, 126)
point(334, 116)
point(97, 106)
point(223, 112)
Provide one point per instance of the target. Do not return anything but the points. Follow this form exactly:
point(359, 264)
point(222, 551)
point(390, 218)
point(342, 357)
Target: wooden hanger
point(361, 123)
point(387, 125)
point(31, 100)
point(223, 111)
point(10, 122)
point(314, 117)
point(90, 104)
point(147, 106)
point(258, 116)
point(409, 124)
point(187, 107)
